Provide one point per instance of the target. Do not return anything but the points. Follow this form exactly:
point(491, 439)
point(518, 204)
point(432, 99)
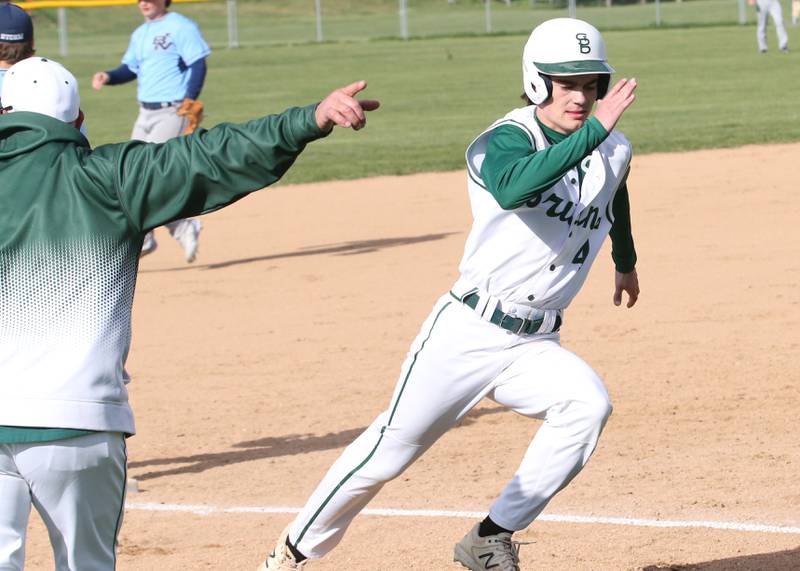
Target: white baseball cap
point(41, 85)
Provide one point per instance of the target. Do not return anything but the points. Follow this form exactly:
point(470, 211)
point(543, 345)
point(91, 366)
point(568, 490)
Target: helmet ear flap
point(603, 81)
point(542, 87)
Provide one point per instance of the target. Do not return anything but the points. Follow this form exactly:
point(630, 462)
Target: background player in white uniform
point(72, 222)
point(771, 8)
point(16, 37)
point(547, 184)
point(167, 55)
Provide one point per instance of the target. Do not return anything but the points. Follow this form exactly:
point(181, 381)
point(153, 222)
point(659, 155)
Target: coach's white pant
point(455, 361)
point(77, 485)
point(771, 8)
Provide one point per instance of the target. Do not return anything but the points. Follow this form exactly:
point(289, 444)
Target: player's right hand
point(341, 108)
point(611, 107)
point(99, 79)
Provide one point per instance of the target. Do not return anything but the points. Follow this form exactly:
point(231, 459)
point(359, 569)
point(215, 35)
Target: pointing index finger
point(354, 88)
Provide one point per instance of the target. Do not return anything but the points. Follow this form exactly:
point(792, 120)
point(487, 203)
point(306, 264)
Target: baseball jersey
point(537, 253)
point(67, 275)
point(2, 75)
point(508, 143)
point(160, 52)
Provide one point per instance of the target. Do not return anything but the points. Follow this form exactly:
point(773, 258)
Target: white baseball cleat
point(281, 558)
point(149, 245)
point(188, 237)
point(495, 552)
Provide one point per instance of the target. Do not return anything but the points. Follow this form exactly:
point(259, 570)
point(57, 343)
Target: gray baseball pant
point(770, 8)
point(159, 126)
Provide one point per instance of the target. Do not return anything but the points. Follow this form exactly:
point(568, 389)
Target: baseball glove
point(193, 111)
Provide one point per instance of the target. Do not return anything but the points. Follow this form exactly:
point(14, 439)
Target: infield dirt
point(256, 365)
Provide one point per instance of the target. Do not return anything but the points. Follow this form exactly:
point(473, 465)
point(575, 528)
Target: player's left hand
point(628, 283)
point(192, 111)
point(341, 108)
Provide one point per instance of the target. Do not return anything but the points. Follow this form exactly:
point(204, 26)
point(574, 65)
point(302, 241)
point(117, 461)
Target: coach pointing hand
point(341, 108)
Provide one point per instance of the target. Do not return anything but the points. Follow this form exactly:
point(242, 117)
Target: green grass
point(291, 21)
point(700, 87)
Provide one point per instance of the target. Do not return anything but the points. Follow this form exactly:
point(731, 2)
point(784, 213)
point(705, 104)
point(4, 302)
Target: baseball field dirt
point(256, 365)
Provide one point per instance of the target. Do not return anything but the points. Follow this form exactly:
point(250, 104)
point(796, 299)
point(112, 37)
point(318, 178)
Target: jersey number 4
point(582, 254)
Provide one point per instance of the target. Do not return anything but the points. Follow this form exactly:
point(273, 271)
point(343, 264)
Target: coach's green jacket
point(72, 221)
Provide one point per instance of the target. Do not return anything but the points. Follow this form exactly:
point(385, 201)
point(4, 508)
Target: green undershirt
point(514, 172)
point(28, 435)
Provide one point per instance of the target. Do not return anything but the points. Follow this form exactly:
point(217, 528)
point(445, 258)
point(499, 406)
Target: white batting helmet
point(563, 46)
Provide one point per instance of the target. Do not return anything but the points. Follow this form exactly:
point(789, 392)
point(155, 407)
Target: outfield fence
point(93, 25)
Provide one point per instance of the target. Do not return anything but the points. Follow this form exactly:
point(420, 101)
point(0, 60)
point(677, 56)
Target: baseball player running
point(167, 55)
point(547, 183)
point(72, 222)
point(771, 8)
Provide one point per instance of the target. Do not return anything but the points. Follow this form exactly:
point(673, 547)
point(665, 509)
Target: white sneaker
point(496, 552)
point(281, 558)
point(149, 245)
point(188, 237)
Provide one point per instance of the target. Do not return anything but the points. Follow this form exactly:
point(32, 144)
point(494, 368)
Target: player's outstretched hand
point(628, 283)
point(611, 107)
point(99, 79)
point(341, 108)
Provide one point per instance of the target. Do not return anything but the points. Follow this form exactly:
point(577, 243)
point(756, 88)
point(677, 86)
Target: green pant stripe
point(380, 438)
point(336, 489)
point(421, 347)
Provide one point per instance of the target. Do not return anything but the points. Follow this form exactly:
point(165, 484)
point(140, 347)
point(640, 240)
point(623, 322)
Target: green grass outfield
point(700, 87)
point(267, 22)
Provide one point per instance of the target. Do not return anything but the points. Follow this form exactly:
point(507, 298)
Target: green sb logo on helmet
point(583, 43)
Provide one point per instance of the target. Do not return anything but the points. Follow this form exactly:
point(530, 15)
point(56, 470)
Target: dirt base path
point(253, 368)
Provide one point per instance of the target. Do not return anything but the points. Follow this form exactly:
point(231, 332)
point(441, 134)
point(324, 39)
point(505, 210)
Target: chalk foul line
point(203, 509)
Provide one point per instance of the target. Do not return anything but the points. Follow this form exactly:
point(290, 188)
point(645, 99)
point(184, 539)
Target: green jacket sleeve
point(514, 171)
point(202, 172)
point(623, 251)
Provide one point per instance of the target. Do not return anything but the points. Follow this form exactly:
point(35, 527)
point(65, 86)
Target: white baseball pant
point(78, 487)
point(456, 360)
point(770, 8)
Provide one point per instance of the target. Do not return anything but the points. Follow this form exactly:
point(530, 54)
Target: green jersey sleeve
point(623, 251)
point(200, 173)
point(514, 171)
